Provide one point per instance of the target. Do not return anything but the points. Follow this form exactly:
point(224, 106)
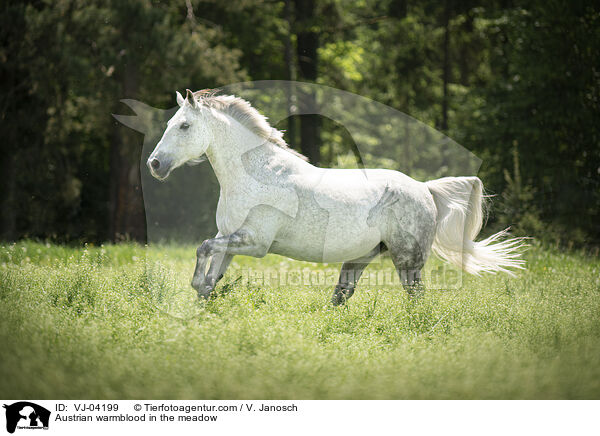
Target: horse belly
point(349, 239)
point(300, 250)
point(339, 235)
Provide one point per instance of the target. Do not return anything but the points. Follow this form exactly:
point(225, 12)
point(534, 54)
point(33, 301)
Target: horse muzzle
point(159, 168)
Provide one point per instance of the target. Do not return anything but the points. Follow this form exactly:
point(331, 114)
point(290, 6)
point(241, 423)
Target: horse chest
point(230, 215)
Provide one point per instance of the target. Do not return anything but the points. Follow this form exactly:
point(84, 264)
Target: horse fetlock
point(198, 283)
point(341, 294)
point(410, 276)
point(204, 285)
point(212, 279)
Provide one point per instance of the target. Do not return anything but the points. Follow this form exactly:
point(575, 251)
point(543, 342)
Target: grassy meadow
point(121, 321)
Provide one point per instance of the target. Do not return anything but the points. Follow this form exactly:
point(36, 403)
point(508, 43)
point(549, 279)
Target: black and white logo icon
point(26, 415)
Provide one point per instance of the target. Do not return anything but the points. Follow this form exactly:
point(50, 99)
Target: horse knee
point(204, 249)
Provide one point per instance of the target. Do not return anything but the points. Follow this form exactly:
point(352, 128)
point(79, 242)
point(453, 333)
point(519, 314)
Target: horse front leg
point(218, 265)
point(222, 249)
point(199, 278)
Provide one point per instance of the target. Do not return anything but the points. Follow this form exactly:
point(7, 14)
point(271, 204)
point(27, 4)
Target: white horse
point(273, 201)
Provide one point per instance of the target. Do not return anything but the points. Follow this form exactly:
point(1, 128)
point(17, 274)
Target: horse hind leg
point(350, 275)
point(409, 258)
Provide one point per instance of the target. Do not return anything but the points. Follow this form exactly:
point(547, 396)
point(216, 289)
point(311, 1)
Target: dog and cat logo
point(26, 415)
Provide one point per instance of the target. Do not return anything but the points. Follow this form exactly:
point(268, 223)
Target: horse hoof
point(341, 297)
point(204, 292)
point(338, 300)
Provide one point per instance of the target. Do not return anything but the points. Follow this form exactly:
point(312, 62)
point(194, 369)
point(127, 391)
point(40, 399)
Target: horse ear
point(180, 100)
point(189, 97)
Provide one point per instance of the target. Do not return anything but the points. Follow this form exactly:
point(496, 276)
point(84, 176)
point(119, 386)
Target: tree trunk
point(126, 209)
point(14, 98)
point(308, 43)
point(9, 206)
point(446, 73)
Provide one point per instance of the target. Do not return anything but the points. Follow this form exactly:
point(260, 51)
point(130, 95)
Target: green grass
point(122, 322)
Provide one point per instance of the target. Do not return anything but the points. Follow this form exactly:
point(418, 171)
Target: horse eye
point(184, 126)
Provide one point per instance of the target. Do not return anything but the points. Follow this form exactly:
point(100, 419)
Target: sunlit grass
point(121, 321)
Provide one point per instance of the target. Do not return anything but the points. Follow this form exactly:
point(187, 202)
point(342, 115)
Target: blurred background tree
point(517, 83)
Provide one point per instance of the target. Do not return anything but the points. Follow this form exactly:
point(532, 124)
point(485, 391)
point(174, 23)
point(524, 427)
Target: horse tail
point(460, 216)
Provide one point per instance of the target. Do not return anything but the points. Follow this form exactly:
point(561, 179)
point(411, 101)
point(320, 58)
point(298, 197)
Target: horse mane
point(242, 111)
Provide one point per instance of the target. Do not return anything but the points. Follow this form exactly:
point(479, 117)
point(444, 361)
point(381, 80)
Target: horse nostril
point(155, 164)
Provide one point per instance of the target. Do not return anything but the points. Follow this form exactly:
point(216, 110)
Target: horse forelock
point(242, 111)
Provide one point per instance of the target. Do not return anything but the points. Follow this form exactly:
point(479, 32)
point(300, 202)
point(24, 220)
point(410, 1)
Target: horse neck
point(225, 154)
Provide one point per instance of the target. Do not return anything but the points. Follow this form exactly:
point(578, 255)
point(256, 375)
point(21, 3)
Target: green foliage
point(521, 74)
point(543, 95)
point(122, 322)
point(511, 73)
point(517, 207)
point(80, 59)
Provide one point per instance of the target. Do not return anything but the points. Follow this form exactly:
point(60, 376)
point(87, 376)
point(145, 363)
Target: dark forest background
point(517, 83)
